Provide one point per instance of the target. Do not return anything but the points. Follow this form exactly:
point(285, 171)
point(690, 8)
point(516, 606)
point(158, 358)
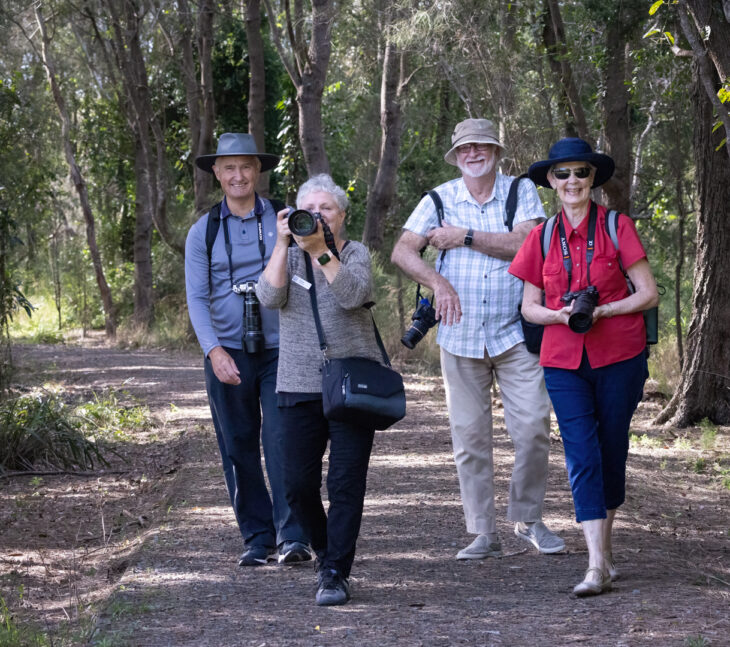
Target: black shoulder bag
point(358, 388)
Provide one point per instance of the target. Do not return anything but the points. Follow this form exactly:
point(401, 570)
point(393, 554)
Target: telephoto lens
point(303, 222)
point(253, 335)
point(581, 318)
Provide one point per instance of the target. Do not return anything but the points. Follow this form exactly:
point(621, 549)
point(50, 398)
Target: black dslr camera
point(253, 334)
point(586, 300)
point(424, 318)
point(303, 222)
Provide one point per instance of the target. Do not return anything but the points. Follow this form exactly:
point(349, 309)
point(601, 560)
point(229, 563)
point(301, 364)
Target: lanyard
point(229, 247)
point(565, 249)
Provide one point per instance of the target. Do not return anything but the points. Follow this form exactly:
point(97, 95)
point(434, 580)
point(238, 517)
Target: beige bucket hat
point(472, 131)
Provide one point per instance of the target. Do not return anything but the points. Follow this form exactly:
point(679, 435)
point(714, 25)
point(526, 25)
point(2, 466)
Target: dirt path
point(171, 577)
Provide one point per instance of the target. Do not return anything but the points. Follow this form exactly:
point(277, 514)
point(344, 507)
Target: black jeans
point(306, 431)
point(236, 412)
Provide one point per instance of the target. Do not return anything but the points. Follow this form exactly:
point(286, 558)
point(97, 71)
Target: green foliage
point(106, 416)
point(42, 431)
point(709, 435)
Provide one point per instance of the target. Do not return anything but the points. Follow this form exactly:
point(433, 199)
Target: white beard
point(484, 168)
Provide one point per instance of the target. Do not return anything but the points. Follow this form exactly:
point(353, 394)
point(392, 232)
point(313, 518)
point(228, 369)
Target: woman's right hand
point(283, 233)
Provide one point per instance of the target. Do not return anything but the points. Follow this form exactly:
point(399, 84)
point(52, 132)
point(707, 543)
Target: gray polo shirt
point(216, 312)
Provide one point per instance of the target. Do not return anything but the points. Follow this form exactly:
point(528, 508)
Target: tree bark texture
point(198, 81)
point(704, 388)
point(554, 39)
point(616, 107)
point(77, 178)
point(143, 279)
point(307, 67)
point(257, 84)
point(380, 198)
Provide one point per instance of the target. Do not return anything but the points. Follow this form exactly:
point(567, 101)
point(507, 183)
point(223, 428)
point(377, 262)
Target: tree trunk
point(307, 67)
point(616, 106)
point(554, 38)
point(382, 193)
point(704, 388)
point(682, 218)
point(198, 92)
point(143, 292)
point(257, 84)
point(110, 319)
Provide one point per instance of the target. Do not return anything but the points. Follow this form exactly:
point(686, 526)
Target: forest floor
point(144, 553)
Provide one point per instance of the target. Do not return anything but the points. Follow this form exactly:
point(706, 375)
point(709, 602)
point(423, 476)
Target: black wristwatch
point(324, 259)
point(469, 238)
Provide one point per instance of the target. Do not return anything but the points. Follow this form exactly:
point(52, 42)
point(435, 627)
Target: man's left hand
point(447, 236)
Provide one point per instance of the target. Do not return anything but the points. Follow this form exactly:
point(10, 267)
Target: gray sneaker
point(540, 537)
point(483, 546)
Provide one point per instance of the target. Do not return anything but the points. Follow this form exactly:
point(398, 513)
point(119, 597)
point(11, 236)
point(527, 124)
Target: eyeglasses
point(582, 172)
point(465, 148)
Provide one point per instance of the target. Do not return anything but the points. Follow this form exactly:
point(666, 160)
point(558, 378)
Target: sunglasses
point(582, 172)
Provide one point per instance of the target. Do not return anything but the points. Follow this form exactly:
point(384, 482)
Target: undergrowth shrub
point(40, 430)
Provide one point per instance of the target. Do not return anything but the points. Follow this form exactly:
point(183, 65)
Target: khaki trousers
point(468, 384)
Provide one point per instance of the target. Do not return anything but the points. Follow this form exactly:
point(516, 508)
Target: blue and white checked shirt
point(489, 295)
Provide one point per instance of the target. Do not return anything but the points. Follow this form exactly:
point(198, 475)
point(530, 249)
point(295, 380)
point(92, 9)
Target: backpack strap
point(546, 235)
point(211, 231)
point(510, 207)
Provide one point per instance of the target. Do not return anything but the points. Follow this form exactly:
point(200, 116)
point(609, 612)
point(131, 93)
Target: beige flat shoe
point(613, 572)
point(591, 587)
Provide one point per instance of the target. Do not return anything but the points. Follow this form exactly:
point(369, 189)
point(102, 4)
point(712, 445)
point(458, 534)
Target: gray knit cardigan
point(348, 327)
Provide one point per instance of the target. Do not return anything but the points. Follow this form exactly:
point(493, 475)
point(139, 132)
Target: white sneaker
point(540, 537)
point(483, 546)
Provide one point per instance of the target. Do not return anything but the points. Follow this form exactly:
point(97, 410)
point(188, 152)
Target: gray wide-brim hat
point(472, 131)
point(572, 149)
point(236, 144)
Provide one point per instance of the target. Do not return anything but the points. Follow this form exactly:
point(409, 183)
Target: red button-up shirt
point(609, 340)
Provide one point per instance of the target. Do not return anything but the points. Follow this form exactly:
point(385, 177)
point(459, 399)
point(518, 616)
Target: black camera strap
point(590, 246)
point(318, 321)
point(229, 247)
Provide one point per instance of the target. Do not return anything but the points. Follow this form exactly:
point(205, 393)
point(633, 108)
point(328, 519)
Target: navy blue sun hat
point(572, 149)
point(236, 144)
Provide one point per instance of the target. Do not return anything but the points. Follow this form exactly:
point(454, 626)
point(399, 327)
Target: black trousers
point(306, 431)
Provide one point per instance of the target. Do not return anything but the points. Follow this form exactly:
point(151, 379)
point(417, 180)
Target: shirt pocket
point(555, 282)
point(607, 276)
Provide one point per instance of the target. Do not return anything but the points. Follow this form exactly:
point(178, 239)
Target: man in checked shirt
point(480, 335)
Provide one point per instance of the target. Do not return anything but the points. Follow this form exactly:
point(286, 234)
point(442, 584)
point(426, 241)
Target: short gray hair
point(325, 183)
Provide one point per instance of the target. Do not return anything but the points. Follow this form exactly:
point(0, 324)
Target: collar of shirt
point(258, 208)
point(498, 192)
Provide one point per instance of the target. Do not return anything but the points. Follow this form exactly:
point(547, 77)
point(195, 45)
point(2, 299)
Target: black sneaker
point(255, 556)
point(291, 552)
point(333, 588)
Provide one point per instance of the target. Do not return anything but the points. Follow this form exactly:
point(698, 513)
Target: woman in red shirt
point(594, 345)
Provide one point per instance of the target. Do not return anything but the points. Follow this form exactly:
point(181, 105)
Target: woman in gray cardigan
point(343, 285)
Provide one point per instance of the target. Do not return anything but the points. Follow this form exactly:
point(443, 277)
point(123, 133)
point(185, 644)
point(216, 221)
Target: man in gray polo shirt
point(240, 384)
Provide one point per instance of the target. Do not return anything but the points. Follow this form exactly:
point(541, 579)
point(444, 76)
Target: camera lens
point(302, 222)
point(581, 319)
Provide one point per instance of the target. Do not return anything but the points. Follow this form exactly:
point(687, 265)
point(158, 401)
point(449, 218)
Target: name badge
point(300, 281)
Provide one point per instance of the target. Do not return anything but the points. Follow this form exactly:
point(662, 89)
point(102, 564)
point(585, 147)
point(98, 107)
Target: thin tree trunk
point(110, 321)
point(554, 38)
point(143, 291)
point(257, 84)
point(307, 66)
point(382, 193)
point(616, 107)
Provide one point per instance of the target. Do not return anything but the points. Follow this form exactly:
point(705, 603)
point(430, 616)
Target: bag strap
point(546, 235)
point(318, 322)
point(510, 207)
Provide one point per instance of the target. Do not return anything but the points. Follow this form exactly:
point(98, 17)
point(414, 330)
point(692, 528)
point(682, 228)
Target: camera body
point(586, 300)
point(253, 335)
point(424, 318)
point(303, 222)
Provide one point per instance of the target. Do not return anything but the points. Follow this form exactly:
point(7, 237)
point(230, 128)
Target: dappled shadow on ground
point(179, 584)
